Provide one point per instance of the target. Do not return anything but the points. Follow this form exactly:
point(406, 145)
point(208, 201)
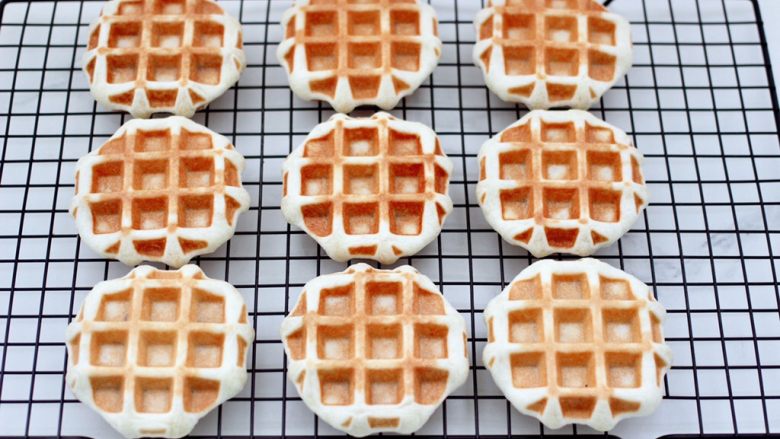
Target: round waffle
point(374, 350)
point(352, 53)
point(551, 53)
point(171, 56)
point(160, 190)
point(577, 342)
point(155, 351)
point(561, 181)
point(368, 188)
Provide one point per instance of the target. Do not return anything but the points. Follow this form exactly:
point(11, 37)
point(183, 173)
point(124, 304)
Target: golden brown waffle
point(155, 351)
point(170, 56)
point(162, 190)
point(350, 53)
point(368, 188)
point(374, 350)
point(577, 342)
point(551, 53)
point(561, 181)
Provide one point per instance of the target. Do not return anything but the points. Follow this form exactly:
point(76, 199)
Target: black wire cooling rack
point(700, 103)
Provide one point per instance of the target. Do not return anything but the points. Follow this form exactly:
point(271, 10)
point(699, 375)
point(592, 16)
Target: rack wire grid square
point(699, 102)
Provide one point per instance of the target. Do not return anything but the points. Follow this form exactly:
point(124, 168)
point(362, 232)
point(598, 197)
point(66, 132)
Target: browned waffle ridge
point(159, 190)
point(171, 56)
point(577, 342)
point(374, 350)
point(352, 53)
point(551, 53)
point(156, 350)
point(561, 181)
point(374, 188)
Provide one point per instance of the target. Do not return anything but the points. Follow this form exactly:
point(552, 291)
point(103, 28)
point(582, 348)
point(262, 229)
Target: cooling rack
point(700, 104)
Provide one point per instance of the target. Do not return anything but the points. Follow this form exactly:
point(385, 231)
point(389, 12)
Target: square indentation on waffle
point(577, 342)
point(359, 53)
point(371, 349)
point(153, 56)
point(551, 53)
point(368, 188)
point(561, 182)
point(168, 343)
point(162, 190)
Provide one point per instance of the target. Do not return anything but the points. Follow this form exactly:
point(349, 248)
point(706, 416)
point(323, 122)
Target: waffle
point(155, 351)
point(169, 56)
point(577, 342)
point(374, 350)
point(351, 53)
point(161, 190)
point(551, 53)
point(561, 181)
point(368, 188)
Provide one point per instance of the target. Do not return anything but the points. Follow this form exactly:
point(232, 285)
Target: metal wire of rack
point(700, 103)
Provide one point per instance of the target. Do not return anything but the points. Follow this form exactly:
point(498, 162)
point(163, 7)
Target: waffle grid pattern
point(374, 188)
point(561, 182)
point(163, 56)
point(359, 53)
point(374, 350)
point(155, 351)
point(551, 53)
point(160, 190)
point(577, 341)
point(706, 246)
